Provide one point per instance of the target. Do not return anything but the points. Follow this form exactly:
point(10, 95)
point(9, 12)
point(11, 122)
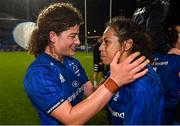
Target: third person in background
point(152, 16)
point(168, 67)
point(98, 65)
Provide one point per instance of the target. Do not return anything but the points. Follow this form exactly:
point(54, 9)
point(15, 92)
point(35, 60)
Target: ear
point(52, 36)
point(128, 44)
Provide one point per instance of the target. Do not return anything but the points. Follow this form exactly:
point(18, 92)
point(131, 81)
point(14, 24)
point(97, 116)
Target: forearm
point(86, 109)
point(82, 112)
point(88, 88)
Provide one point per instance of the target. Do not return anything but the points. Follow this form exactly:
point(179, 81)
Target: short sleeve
point(44, 90)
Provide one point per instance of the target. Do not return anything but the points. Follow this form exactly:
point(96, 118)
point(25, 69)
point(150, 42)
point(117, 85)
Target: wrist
point(111, 85)
point(116, 81)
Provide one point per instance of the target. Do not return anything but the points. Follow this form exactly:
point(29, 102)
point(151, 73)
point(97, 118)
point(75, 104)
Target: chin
point(72, 53)
point(106, 62)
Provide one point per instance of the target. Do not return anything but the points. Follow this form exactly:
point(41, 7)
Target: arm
point(88, 88)
point(122, 73)
point(83, 111)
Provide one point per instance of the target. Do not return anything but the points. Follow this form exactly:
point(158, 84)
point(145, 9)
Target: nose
point(101, 47)
point(77, 40)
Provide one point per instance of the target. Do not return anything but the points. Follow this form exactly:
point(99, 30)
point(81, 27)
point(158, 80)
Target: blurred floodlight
point(22, 33)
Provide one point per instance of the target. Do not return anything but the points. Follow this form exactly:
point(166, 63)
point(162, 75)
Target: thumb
point(116, 58)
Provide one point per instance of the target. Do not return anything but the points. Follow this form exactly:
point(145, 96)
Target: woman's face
point(65, 44)
point(109, 46)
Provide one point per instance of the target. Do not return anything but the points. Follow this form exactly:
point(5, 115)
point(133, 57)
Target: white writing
point(160, 63)
point(116, 114)
point(75, 94)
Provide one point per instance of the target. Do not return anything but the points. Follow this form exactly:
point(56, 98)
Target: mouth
point(102, 56)
point(73, 48)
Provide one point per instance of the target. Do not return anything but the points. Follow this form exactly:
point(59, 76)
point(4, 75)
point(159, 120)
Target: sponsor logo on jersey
point(116, 114)
point(61, 78)
point(51, 63)
point(160, 63)
point(115, 98)
point(76, 70)
point(75, 94)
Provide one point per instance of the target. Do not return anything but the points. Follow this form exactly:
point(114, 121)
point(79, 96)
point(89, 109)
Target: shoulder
point(176, 58)
point(40, 76)
point(71, 61)
point(149, 82)
point(170, 58)
point(41, 66)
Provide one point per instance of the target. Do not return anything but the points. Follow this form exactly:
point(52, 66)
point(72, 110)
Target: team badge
point(75, 83)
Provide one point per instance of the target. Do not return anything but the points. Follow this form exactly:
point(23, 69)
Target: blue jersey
point(168, 68)
point(139, 103)
point(48, 83)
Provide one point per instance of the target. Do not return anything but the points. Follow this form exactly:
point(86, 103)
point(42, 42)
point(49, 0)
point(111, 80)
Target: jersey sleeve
point(143, 107)
point(44, 90)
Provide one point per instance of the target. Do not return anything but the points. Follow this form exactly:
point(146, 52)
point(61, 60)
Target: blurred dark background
point(13, 12)
point(97, 10)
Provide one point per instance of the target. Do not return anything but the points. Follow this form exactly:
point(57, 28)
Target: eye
point(107, 42)
point(72, 36)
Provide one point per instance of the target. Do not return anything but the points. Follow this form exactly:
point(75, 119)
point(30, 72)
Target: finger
point(140, 67)
point(140, 74)
point(174, 51)
point(132, 57)
point(170, 52)
point(138, 61)
point(116, 58)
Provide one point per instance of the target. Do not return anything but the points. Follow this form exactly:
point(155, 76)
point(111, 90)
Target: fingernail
point(146, 70)
point(148, 61)
point(138, 53)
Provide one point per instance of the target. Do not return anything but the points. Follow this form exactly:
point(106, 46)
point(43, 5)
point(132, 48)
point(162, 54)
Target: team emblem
point(75, 83)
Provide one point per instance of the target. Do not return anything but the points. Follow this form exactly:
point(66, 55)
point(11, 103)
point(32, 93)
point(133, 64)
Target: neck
point(52, 52)
point(124, 56)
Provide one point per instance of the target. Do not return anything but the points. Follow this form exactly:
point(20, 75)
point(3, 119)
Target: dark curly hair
point(57, 17)
point(126, 29)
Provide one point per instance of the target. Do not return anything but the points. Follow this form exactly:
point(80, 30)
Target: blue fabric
point(48, 83)
point(139, 103)
point(168, 67)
